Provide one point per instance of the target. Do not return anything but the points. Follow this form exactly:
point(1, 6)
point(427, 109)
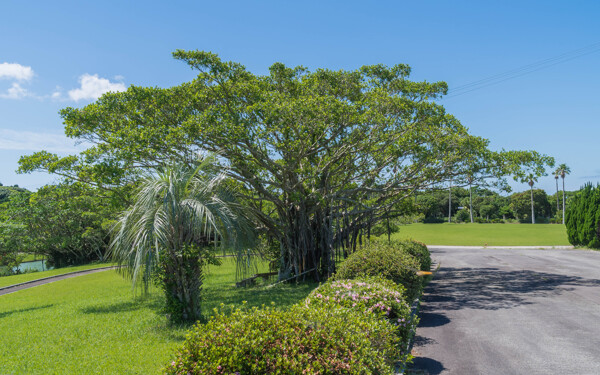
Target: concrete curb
point(415, 308)
point(55, 277)
point(503, 247)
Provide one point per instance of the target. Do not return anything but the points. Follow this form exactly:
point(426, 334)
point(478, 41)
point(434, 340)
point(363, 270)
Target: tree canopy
point(319, 156)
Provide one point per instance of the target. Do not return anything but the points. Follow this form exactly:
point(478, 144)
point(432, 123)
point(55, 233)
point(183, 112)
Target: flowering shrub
point(387, 261)
point(316, 340)
point(374, 294)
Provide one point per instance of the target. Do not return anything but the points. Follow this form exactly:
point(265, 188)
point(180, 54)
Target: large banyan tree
point(319, 157)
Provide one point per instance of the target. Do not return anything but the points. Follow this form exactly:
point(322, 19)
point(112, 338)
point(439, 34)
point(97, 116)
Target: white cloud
point(92, 87)
point(15, 92)
point(32, 141)
point(15, 71)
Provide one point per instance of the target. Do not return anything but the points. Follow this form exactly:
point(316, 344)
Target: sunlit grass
point(92, 324)
point(486, 234)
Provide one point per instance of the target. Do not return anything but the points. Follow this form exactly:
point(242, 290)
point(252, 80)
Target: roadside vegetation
point(583, 218)
point(276, 169)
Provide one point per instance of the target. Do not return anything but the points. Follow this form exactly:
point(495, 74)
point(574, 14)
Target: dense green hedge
point(418, 250)
point(314, 340)
point(582, 217)
point(389, 261)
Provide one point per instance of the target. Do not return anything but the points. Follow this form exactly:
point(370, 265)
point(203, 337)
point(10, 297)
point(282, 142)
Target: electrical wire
point(523, 70)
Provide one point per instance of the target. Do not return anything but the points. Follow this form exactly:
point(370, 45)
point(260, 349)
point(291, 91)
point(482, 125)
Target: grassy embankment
point(91, 324)
point(486, 234)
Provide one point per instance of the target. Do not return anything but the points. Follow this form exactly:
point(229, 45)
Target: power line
point(523, 70)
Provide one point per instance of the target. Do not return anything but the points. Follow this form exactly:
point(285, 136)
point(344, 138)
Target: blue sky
point(66, 53)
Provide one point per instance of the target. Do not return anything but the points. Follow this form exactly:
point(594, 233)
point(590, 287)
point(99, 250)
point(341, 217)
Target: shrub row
point(301, 340)
point(391, 261)
point(357, 323)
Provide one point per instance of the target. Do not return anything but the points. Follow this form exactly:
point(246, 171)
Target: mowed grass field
point(486, 234)
point(92, 324)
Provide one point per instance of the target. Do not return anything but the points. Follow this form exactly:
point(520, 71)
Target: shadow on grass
point(282, 296)
point(125, 306)
point(7, 313)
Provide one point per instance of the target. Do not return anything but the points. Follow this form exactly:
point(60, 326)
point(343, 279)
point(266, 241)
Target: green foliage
point(7, 191)
point(520, 203)
point(388, 261)
point(294, 139)
point(582, 217)
point(417, 249)
point(462, 216)
point(369, 294)
point(315, 340)
point(179, 216)
point(68, 223)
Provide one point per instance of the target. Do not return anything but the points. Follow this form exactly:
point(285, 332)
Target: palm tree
point(179, 217)
point(563, 170)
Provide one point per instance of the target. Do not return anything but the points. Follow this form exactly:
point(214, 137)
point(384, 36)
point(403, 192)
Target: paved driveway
point(511, 311)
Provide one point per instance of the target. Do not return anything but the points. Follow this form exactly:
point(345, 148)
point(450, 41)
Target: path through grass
point(17, 279)
point(91, 324)
point(486, 234)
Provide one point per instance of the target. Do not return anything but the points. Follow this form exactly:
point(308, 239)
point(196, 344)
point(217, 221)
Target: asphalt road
point(511, 311)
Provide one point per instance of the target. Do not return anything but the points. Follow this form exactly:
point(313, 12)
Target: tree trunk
point(182, 282)
point(450, 203)
point(563, 196)
point(470, 203)
point(532, 211)
point(557, 201)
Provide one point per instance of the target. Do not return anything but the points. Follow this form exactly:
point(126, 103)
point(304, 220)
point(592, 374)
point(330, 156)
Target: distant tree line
point(68, 224)
point(488, 206)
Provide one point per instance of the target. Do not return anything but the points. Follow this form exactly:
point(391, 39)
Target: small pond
point(39, 265)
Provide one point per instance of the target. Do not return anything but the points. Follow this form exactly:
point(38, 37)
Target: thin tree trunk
point(470, 203)
point(450, 203)
point(532, 211)
point(557, 201)
point(563, 221)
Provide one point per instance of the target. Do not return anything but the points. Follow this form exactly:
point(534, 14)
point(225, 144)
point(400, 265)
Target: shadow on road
point(428, 319)
point(426, 366)
point(492, 288)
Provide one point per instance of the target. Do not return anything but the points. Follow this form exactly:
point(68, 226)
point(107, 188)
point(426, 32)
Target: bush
point(582, 218)
point(417, 249)
point(385, 260)
point(462, 216)
point(434, 220)
point(374, 294)
point(316, 340)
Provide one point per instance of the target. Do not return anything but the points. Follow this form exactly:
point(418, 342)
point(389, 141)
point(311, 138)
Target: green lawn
point(16, 279)
point(92, 325)
point(486, 234)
